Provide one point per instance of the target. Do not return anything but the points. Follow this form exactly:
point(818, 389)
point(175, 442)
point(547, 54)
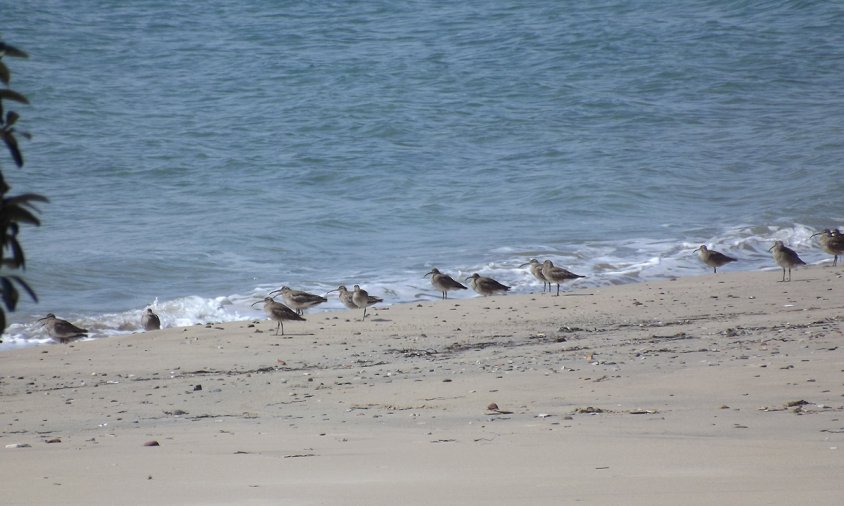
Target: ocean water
point(200, 154)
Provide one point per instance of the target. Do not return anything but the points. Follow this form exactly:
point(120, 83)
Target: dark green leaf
point(12, 263)
point(10, 293)
point(23, 284)
point(24, 199)
point(6, 49)
point(13, 95)
point(17, 253)
point(19, 215)
point(12, 144)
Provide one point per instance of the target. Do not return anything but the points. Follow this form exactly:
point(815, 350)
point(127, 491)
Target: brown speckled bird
point(298, 299)
point(486, 286)
point(362, 299)
point(62, 330)
point(713, 258)
point(444, 282)
point(786, 258)
point(150, 320)
point(278, 312)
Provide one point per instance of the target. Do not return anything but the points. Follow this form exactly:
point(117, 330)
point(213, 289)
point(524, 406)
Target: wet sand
point(725, 388)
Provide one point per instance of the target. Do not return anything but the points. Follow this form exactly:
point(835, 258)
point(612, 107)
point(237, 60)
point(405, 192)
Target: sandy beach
point(717, 389)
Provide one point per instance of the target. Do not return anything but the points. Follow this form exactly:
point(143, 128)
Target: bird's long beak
point(772, 247)
point(426, 275)
point(525, 265)
point(335, 290)
point(813, 235)
point(253, 304)
point(696, 249)
point(275, 291)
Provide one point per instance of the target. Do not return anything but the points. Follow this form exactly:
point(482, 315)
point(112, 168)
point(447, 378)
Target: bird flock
point(831, 241)
point(297, 301)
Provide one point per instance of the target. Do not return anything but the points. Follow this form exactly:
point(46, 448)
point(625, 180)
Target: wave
point(606, 262)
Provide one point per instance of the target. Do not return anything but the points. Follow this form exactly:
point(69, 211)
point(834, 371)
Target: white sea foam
point(603, 263)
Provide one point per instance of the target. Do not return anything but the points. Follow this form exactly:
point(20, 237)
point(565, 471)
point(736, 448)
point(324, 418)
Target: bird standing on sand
point(785, 258)
point(62, 330)
point(444, 282)
point(278, 312)
point(713, 258)
point(298, 299)
point(150, 320)
point(536, 270)
point(362, 299)
point(486, 286)
point(557, 275)
point(345, 297)
point(832, 242)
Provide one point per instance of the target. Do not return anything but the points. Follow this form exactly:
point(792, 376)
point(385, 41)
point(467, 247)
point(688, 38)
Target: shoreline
point(724, 387)
point(127, 322)
point(187, 308)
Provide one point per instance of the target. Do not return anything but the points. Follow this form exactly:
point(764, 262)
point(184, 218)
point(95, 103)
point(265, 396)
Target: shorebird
point(486, 286)
point(62, 330)
point(345, 297)
point(150, 320)
point(785, 258)
point(278, 312)
point(362, 299)
point(832, 242)
point(713, 258)
point(536, 270)
point(444, 282)
point(298, 299)
point(557, 275)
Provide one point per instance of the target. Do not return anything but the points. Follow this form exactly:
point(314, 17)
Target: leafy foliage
point(15, 210)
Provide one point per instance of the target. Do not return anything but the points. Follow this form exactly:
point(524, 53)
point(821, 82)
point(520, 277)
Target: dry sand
point(718, 389)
